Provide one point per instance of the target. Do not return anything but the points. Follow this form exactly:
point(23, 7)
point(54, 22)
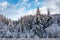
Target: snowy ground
point(29, 39)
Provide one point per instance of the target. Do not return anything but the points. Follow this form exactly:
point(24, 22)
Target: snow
point(54, 29)
point(32, 29)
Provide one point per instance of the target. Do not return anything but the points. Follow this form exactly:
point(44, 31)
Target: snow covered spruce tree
point(3, 30)
point(58, 20)
point(39, 26)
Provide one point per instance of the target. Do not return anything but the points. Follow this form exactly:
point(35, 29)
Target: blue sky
point(14, 9)
point(25, 3)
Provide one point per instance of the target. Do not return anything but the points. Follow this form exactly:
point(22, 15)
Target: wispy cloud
point(4, 3)
point(51, 4)
point(28, 7)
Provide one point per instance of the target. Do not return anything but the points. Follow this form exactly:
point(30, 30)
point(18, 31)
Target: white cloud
point(38, 3)
point(53, 7)
point(14, 13)
point(43, 10)
point(25, 13)
point(36, 0)
point(4, 3)
point(24, 2)
point(31, 12)
point(53, 0)
point(29, 5)
point(21, 10)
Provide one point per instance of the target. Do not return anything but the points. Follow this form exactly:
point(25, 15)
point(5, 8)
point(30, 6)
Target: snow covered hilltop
point(31, 26)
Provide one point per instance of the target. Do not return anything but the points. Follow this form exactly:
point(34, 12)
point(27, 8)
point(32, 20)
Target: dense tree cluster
point(29, 27)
